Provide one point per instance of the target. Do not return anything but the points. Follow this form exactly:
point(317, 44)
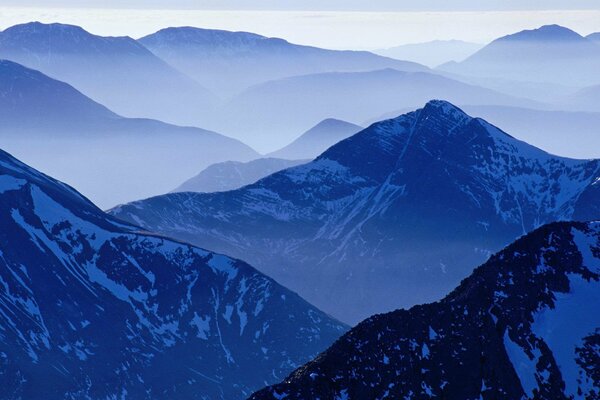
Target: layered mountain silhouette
point(230, 175)
point(317, 139)
point(393, 216)
point(432, 53)
point(272, 113)
point(228, 62)
point(115, 71)
point(94, 308)
point(551, 53)
point(523, 326)
point(594, 36)
point(111, 159)
point(586, 99)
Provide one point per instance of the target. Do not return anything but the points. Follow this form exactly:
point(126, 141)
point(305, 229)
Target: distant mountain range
point(111, 159)
point(229, 62)
point(94, 308)
point(317, 139)
point(272, 113)
point(393, 216)
point(115, 71)
point(594, 36)
point(432, 53)
point(551, 53)
point(586, 99)
point(230, 175)
point(525, 325)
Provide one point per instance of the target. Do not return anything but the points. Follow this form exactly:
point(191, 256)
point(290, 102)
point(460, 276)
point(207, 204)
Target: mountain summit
point(549, 54)
point(126, 76)
point(395, 215)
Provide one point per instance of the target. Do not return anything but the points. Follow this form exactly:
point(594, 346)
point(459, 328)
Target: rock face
point(93, 308)
point(230, 175)
point(127, 77)
point(393, 216)
point(525, 325)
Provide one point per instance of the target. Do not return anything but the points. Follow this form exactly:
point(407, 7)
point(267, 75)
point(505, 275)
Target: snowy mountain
point(393, 216)
point(111, 159)
point(565, 133)
point(230, 175)
point(126, 76)
point(432, 53)
point(525, 325)
point(551, 53)
point(229, 62)
point(93, 308)
point(272, 113)
point(317, 139)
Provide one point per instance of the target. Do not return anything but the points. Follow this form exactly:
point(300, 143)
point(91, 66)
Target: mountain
point(550, 53)
point(272, 113)
point(111, 159)
point(317, 139)
point(586, 99)
point(594, 36)
point(393, 216)
point(94, 308)
point(126, 76)
point(565, 133)
point(229, 62)
point(524, 325)
point(230, 175)
point(432, 53)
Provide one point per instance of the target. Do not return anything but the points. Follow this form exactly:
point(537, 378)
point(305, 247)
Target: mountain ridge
point(373, 223)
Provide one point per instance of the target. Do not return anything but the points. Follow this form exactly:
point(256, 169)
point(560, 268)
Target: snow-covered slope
point(523, 326)
point(115, 71)
point(566, 133)
point(228, 62)
point(230, 175)
point(93, 308)
point(393, 216)
point(110, 159)
point(317, 139)
point(551, 53)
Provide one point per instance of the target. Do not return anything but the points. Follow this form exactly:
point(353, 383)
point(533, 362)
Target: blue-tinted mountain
point(525, 325)
point(393, 216)
point(94, 308)
point(551, 53)
point(115, 71)
point(594, 36)
point(228, 62)
point(111, 159)
point(432, 53)
point(230, 175)
point(272, 114)
point(317, 139)
point(566, 133)
point(585, 99)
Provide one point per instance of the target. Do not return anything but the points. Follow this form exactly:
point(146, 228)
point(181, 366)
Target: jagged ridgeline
point(393, 216)
point(525, 325)
point(93, 308)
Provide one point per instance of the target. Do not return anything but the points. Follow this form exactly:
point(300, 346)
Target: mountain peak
point(544, 33)
point(37, 27)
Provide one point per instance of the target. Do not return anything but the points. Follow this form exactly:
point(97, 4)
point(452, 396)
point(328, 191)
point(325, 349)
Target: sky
point(337, 24)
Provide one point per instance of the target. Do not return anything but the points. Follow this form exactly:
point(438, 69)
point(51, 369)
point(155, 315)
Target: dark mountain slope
point(93, 308)
point(525, 325)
